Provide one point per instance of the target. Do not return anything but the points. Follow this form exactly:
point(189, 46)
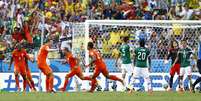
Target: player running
point(183, 57)
point(100, 66)
point(198, 65)
point(141, 64)
point(175, 68)
point(126, 65)
point(19, 57)
point(44, 67)
point(74, 67)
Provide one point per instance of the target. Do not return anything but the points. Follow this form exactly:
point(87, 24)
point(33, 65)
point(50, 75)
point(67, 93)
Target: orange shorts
point(101, 68)
point(77, 71)
point(175, 69)
point(45, 68)
point(20, 69)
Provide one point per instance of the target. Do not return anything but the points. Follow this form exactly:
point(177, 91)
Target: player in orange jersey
point(29, 77)
point(19, 57)
point(100, 66)
point(44, 67)
point(74, 67)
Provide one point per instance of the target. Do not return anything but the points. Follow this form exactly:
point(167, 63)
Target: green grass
point(101, 96)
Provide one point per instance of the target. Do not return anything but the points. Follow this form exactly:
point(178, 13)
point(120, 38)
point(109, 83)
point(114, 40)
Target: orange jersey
point(71, 60)
point(19, 57)
point(42, 54)
point(96, 55)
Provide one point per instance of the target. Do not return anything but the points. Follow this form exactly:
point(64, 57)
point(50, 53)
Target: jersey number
point(141, 55)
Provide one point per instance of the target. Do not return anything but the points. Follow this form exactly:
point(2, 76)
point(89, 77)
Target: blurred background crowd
point(22, 20)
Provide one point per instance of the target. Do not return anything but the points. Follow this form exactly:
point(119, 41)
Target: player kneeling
point(74, 67)
point(141, 69)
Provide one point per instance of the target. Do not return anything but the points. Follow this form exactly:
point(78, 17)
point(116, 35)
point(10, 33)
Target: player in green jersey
point(126, 63)
point(184, 54)
point(141, 64)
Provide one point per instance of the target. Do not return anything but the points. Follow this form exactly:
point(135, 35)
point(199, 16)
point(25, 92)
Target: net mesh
point(107, 37)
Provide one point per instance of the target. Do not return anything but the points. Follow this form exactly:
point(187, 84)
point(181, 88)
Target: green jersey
point(184, 57)
point(125, 54)
point(141, 56)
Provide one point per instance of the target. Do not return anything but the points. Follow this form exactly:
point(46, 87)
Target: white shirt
point(186, 14)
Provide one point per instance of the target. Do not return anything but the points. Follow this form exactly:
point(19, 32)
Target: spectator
point(186, 13)
point(17, 35)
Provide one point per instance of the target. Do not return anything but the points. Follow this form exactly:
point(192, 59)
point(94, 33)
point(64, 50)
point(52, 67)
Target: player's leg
point(49, 76)
point(130, 70)
point(24, 82)
point(172, 73)
point(81, 76)
point(51, 81)
point(199, 78)
point(189, 73)
point(182, 72)
point(145, 74)
point(16, 73)
point(69, 75)
point(24, 76)
point(29, 77)
point(123, 67)
point(178, 72)
point(94, 81)
point(112, 77)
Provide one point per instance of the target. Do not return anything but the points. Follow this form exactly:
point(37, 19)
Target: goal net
point(107, 36)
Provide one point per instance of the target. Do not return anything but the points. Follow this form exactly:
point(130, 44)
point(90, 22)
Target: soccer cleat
point(192, 89)
point(169, 90)
point(181, 90)
point(61, 89)
point(52, 91)
point(150, 91)
point(18, 89)
point(33, 90)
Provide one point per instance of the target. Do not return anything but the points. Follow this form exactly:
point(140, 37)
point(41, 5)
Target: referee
point(198, 65)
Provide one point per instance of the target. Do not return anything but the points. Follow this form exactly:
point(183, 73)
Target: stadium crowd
point(23, 19)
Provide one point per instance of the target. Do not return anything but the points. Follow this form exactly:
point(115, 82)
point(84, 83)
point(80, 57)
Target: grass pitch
point(101, 96)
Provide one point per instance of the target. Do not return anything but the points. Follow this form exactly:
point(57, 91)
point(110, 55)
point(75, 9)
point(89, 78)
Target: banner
point(7, 82)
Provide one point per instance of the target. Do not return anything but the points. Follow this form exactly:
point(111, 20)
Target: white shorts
point(127, 68)
point(185, 70)
point(141, 72)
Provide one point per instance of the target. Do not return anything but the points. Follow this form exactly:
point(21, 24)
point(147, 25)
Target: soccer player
point(175, 68)
point(126, 65)
point(19, 57)
point(29, 77)
point(74, 67)
point(100, 66)
point(141, 64)
point(183, 57)
point(44, 67)
point(198, 65)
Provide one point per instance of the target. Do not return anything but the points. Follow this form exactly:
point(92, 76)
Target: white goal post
point(107, 33)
